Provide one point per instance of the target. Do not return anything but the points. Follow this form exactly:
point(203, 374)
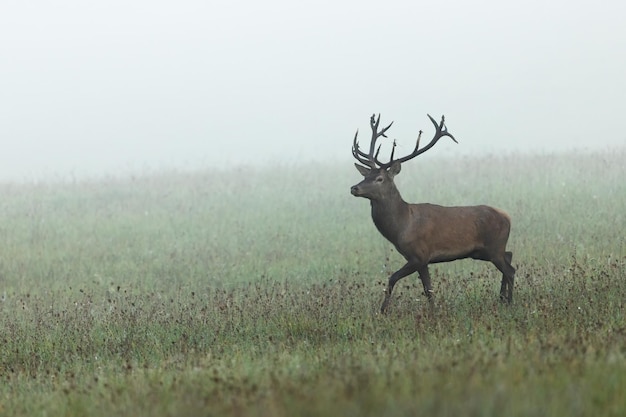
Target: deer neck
point(389, 214)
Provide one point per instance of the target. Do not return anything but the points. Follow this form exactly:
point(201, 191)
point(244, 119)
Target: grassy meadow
point(256, 291)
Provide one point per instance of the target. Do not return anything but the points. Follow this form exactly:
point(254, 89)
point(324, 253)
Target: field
point(256, 291)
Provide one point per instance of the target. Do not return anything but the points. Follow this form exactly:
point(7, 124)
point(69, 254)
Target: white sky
point(91, 87)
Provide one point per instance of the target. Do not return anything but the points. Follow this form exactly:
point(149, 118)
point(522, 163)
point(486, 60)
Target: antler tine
point(374, 123)
point(358, 154)
point(442, 130)
point(393, 149)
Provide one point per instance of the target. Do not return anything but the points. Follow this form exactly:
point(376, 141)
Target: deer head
point(378, 182)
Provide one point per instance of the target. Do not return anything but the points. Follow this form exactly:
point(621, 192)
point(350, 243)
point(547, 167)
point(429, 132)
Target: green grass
point(256, 291)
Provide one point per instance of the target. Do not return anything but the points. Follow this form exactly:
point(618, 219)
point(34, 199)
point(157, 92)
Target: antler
point(371, 159)
point(440, 131)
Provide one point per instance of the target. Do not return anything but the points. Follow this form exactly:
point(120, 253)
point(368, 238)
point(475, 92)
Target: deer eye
point(379, 179)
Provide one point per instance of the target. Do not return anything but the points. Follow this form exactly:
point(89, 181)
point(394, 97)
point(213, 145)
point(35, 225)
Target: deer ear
point(394, 169)
point(363, 170)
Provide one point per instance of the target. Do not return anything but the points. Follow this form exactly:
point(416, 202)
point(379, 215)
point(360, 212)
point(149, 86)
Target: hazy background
point(101, 88)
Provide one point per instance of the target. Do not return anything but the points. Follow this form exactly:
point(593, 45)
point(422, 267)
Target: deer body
point(428, 233)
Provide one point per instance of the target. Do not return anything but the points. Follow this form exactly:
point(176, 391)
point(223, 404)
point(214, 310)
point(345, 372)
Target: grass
point(255, 291)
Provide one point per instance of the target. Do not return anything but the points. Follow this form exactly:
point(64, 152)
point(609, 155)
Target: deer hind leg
point(407, 269)
point(508, 277)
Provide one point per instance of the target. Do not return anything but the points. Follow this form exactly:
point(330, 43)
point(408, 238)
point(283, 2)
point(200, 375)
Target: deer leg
point(407, 269)
point(425, 277)
point(508, 277)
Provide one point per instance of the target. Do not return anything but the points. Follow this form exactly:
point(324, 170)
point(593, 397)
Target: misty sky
point(127, 86)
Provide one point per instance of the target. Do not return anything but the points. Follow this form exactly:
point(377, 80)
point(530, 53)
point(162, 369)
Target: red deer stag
point(428, 233)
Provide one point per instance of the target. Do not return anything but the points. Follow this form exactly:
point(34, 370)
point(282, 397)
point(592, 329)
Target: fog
point(103, 88)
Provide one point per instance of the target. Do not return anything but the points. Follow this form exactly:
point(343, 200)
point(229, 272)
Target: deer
point(428, 233)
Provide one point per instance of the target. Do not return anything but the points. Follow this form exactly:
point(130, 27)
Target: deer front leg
point(407, 269)
point(425, 277)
